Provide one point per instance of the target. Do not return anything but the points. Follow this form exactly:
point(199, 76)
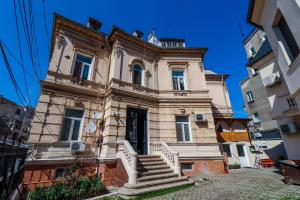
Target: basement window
point(187, 166)
point(59, 173)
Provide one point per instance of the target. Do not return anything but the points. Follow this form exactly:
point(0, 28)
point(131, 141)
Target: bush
point(82, 188)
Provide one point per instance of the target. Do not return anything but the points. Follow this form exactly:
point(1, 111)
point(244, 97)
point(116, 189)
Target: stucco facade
point(108, 89)
point(279, 19)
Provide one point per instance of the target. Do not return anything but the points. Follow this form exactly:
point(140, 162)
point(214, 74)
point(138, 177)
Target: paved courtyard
point(239, 184)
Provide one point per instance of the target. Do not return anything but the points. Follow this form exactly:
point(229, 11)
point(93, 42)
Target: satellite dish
point(91, 128)
point(97, 115)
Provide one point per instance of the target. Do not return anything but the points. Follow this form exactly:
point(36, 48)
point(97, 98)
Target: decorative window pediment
point(178, 65)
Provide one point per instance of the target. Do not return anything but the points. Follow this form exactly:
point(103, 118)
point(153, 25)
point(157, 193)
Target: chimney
point(94, 24)
point(138, 34)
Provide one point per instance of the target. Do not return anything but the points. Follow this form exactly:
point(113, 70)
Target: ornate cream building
point(133, 111)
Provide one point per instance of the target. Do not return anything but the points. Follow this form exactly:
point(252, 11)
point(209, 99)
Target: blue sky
point(212, 24)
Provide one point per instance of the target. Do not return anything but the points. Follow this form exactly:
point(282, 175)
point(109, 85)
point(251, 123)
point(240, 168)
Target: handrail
point(169, 156)
point(129, 158)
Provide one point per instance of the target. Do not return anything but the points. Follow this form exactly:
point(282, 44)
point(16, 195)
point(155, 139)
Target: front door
point(242, 155)
point(136, 130)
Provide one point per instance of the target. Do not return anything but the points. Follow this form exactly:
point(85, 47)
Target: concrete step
point(131, 193)
point(151, 163)
point(155, 182)
point(156, 177)
point(155, 172)
point(143, 160)
point(152, 167)
point(147, 156)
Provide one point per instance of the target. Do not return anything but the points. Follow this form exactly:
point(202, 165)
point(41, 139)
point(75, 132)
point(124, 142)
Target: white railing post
point(169, 156)
point(129, 160)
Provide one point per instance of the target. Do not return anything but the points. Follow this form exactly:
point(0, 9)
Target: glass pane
point(75, 131)
point(65, 130)
point(137, 68)
point(181, 81)
point(226, 149)
point(187, 132)
point(85, 72)
point(74, 113)
point(179, 132)
point(177, 73)
point(240, 150)
point(137, 77)
point(175, 83)
point(182, 119)
point(77, 69)
point(84, 59)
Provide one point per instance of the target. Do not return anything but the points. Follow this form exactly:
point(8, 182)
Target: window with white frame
point(178, 80)
point(256, 117)
point(137, 74)
point(250, 96)
point(71, 125)
point(82, 67)
point(183, 129)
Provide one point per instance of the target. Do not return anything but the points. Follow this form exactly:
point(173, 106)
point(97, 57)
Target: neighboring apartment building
point(126, 109)
point(15, 123)
point(258, 92)
point(232, 133)
point(280, 21)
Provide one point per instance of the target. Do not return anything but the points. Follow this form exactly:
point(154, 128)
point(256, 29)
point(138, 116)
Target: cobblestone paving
point(262, 184)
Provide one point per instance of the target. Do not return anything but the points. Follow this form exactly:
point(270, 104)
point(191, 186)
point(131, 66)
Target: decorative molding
point(178, 65)
point(61, 41)
point(136, 61)
point(148, 74)
point(118, 51)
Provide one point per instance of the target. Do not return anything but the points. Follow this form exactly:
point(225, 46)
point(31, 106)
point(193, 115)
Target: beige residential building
point(126, 109)
point(280, 21)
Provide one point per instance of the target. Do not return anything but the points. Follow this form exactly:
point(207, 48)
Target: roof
point(207, 71)
point(264, 50)
point(254, 30)
point(171, 39)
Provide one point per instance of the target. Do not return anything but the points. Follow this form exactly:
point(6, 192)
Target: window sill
point(181, 92)
point(249, 102)
point(293, 65)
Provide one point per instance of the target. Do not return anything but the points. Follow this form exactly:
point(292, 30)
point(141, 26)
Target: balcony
point(233, 136)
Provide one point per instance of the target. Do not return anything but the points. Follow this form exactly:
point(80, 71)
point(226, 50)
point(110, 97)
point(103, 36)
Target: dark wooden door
point(136, 129)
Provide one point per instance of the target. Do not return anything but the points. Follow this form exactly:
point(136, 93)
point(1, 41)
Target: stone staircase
point(153, 174)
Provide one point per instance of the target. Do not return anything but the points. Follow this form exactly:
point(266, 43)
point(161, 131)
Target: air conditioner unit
point(290, 128)
point(77, 146)
point(272, 79)
point(200, 117)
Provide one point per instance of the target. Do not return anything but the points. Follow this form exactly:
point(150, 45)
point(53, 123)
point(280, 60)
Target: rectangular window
point(226, 148)
point(240, 150)
point(71, 125)
point(187, 166)
point(252, 51)
point(82, 67)
point(288, 37)
point(183, 129)
point(178, 80)
point(256, 117)
point(250, 97)
point(59, 173)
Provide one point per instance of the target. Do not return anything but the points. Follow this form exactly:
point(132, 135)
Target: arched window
point(137, 74)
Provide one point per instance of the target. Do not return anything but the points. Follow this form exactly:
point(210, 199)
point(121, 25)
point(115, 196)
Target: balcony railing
point(232, 136)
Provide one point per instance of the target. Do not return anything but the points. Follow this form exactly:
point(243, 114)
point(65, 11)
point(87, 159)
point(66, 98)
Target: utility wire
point(45, 23)
point(27, 37)
point(33, 35)
point(16, 59)
point(15, 84)
point(173, 16)
point(20, 51)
